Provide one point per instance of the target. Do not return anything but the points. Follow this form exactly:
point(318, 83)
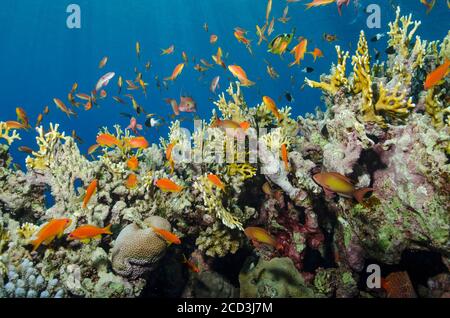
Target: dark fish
point(390, 50)
point(308, 70)
point(289, 97)
point(25, 150)
point(377, 37)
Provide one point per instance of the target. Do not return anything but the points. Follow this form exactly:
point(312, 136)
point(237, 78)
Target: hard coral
point(137, 251)
point(8, 134)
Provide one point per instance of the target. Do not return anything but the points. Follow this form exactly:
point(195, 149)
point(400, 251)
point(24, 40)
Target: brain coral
point(137, 251)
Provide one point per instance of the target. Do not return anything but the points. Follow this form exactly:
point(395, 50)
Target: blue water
point(40, 58)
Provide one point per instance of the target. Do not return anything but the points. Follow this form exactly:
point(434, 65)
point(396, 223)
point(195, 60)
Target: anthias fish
point(53, 229)
point(166, 235)
point(214, 179)
point(85, 233)
point(90, 191)
point(436, 76)
point(137, 143)
point(270, 104)
point(260, 235)
point(133, 163)
point(333, 182)
point(167, 185)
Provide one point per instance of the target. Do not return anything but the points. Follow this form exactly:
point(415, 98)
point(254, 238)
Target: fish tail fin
point(361, 193)
point(107, 229)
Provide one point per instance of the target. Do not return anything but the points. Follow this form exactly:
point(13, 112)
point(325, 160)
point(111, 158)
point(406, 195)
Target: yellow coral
point(244, 170)
point(338, 78)
point(362, 81)
point(435, 109)
point(46, 142)
point(213, 201)
point(399, 36)
point(8, 134)
point(235, 109)
point(395, 103)
point(27, 230)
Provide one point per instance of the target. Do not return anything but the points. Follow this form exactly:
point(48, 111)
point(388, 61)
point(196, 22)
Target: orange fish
point(11, 124)
point(429, 4)
point(185, 57)
point(88, 105)
point(39, 120)
point(168, 51)
point(90, 191)
point(284, 156)
point(167, 185)
point(168, 236)
point(133, 163)
point(216, 181)
point(398, 285)
point(333, 182)
point(240, 74)
point(230, 124)
point(270, 104)
point(74, 87)
point(316, 53)
point(137, 142)
point(169, 157)
point(437, 75)
point(299, 52)
point(317, 3)
point(176, 72)
point(103, 62)
point(93, 148)
point(22, 117)
point(51, 230)
point(218, 58)
point(63, 107)
point(87, 232)
point(108, 140)
point(213, 38)
point(194, 268)
point(83, 96)
point(132, 181)
point(259, 235)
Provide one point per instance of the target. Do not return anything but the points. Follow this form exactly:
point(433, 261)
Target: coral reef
point(380, 129)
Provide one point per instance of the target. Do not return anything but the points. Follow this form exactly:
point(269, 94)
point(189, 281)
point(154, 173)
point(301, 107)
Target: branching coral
point(394, 104)
point(337, 79)
point(8, 134)
point(46, 142)
point(213, 201)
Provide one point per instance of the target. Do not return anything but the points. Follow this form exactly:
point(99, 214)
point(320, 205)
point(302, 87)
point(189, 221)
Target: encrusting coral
point(381, 129)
